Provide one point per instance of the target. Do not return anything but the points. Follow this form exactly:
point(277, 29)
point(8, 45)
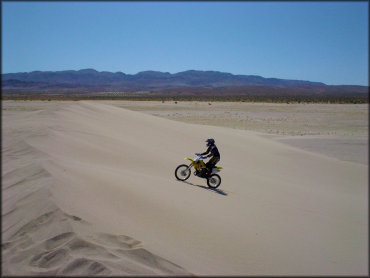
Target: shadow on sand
point(215, 190)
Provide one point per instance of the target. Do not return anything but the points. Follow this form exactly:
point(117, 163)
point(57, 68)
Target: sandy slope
point(109, 183)
point(336, 130)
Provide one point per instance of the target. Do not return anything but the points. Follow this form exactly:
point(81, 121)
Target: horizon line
point(166, 72)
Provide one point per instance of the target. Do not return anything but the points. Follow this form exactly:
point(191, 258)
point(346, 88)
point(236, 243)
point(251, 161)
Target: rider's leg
point(212, 163)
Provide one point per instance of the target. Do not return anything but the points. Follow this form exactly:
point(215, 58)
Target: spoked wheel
point(182, 172)
point(214, 181)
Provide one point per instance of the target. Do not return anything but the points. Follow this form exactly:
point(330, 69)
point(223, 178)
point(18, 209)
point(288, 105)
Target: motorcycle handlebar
point(201, 156)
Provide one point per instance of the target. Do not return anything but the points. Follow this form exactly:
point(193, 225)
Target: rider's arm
point(207, 151)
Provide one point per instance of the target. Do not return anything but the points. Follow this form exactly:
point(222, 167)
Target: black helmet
point(210, 141)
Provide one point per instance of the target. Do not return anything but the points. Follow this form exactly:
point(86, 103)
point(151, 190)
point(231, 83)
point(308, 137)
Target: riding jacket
point(213, 150)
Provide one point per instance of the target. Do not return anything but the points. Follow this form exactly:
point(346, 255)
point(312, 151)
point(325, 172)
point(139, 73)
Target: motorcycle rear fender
point(216, 169)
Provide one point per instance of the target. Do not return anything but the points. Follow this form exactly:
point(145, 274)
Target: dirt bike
point(183, 171)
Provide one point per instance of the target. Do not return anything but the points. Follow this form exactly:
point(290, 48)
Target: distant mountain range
point(90, 80)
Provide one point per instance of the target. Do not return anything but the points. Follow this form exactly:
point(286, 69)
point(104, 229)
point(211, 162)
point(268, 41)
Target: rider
point(213, 152)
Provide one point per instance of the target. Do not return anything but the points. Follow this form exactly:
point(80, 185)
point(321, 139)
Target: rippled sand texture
point(38, 236)
point(88, 188)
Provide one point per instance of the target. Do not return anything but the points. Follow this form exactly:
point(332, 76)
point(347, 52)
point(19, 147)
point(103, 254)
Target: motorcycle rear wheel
point(182, 172)
point(214, 181)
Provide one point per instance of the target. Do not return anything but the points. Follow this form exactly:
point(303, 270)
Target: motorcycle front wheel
point(214, 181)
point(182, 172)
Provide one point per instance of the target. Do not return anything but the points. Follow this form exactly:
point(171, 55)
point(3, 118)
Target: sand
point(336, 130)
point(88, 188)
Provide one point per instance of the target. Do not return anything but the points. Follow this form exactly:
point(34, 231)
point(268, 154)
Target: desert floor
point(88, 188)
point(336, 130)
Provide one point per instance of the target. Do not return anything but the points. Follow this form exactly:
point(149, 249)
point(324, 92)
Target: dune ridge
point(40, 238)
point(108, 202)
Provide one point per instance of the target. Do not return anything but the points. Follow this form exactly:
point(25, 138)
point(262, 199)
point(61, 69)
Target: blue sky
point(316, 41)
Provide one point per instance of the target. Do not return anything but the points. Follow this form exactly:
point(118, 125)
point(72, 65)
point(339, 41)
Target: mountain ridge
point(188, 78)
point(190, 82)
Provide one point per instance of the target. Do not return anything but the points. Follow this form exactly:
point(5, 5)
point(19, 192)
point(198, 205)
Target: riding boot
point(202, 172)
point(209, 171)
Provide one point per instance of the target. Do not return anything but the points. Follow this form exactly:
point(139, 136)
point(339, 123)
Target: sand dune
point(91, 190)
